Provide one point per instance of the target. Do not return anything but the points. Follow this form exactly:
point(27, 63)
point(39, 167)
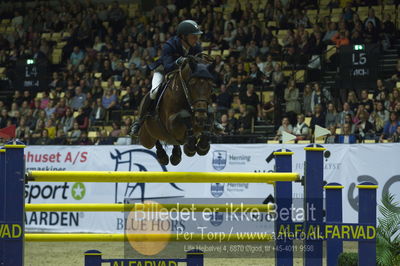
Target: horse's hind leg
point(162, 156)
point(176, 156)
point(203, 146)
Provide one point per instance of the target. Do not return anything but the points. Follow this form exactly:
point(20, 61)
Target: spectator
point(346, 137)
point(331, 117)
point(51, 129)
point(301, 130)
point(331, 139)
point(22, 132)
point(60, 138)
point(364, 128)
point(82, 120)
point(251, 100)
point(79, 99)
point(346, 111)
point(109, 100)
point(44, 138)
point(244, 121)
point(124, 138)
point(224, 99)
point(83, 139)
point(319, 96)
point(268, 109)
point(286, 126)
point(368, 103)
point(390, 126)
point(98, 113)
point(307, 100)
point(396, 135)
point(75, 134)
point(292, 98)
point(67, 121)
point(318, 118)
point(76, 56)
point(352, 101)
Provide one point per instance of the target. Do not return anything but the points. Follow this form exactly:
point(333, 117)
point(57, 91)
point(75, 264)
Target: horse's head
point(199, 82)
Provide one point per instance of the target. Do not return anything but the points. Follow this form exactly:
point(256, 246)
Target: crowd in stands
point(107, 48)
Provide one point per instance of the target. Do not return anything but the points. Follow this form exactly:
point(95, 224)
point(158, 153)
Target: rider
point(174, 53)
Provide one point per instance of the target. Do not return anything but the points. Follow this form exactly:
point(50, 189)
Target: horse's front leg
point(182, 123)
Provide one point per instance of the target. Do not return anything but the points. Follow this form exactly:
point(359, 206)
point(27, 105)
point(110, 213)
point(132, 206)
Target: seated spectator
point(37, 132)
point(301, 130)
point(341, 39)
point(22, 132)
point(229, 128)
point(352, 101)
point(396, 135)
point(83, 139)
point(292, 98)
point(124, 138)
point(370, 34)
point(60, 138)
point(390, 126)
point(61, 108)
point(330, 33)
point(105, 139)
point(368, 103)
point(109, 100)
point(78, 100)
point(44, 138)
point(346, 136)
point(76, 57)
point(318, 118)
point(394, 98)
point(50, 109)
point(51, 128)
point(364, 128)
point(307, 100)
point(75, 134)
point(286, 126)
point(98, 113)
point(82, 120)
point(331, 139)
point(331, 116)
point(251, 100)
point(116, 131)
point(346, 110)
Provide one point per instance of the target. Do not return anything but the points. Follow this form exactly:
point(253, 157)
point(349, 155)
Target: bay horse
point(181, 116)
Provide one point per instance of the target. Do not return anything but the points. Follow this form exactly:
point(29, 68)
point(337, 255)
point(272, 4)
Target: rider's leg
point(148, 102)
point(155, 84)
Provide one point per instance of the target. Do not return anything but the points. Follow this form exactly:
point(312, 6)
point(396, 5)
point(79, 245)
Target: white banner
point(347, 164)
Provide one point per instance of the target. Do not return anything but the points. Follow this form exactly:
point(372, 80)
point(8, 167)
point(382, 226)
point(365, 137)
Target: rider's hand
point(180, 60)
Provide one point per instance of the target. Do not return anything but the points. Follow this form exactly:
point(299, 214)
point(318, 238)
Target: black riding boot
point(145, 110)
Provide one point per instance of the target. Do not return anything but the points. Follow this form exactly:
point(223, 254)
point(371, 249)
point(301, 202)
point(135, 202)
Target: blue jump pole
point(13, 204)
point(93, 258)
point(334, 214)
point(2, 199)
point(283, 199)
point(195, 257)
point(313, 202)
point(367, 215)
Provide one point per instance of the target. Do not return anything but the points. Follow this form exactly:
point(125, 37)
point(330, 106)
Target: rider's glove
point(180, 60)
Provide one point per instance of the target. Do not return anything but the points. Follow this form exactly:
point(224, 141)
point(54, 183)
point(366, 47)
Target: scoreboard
point(31, 75)
point(359, 65)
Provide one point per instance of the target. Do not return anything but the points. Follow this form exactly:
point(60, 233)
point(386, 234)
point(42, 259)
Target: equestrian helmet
point(188, 27)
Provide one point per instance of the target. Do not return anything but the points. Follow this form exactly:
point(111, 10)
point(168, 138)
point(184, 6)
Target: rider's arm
point(168, 58)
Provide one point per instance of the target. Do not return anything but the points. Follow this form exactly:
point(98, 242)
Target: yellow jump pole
point(105, 207)
point(215, 237)
point(159, 177)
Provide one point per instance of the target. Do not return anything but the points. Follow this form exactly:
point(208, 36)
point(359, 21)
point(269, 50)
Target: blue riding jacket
point(171, 51)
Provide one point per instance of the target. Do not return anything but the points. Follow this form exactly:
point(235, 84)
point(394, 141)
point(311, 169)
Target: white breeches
point(156, 84)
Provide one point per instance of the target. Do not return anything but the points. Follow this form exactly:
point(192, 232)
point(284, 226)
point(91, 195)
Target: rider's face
point(192, 39)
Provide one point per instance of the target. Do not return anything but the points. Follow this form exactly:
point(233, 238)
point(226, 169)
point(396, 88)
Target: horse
point(181, 115)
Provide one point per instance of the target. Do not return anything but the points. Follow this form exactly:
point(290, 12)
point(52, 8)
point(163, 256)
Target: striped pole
point(367, 215)
point(333, 207)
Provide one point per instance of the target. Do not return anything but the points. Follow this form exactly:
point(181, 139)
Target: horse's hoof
point(176, 156)
point(203, 150)
point(189, 152)
point(162, 158)
point(175, 160)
